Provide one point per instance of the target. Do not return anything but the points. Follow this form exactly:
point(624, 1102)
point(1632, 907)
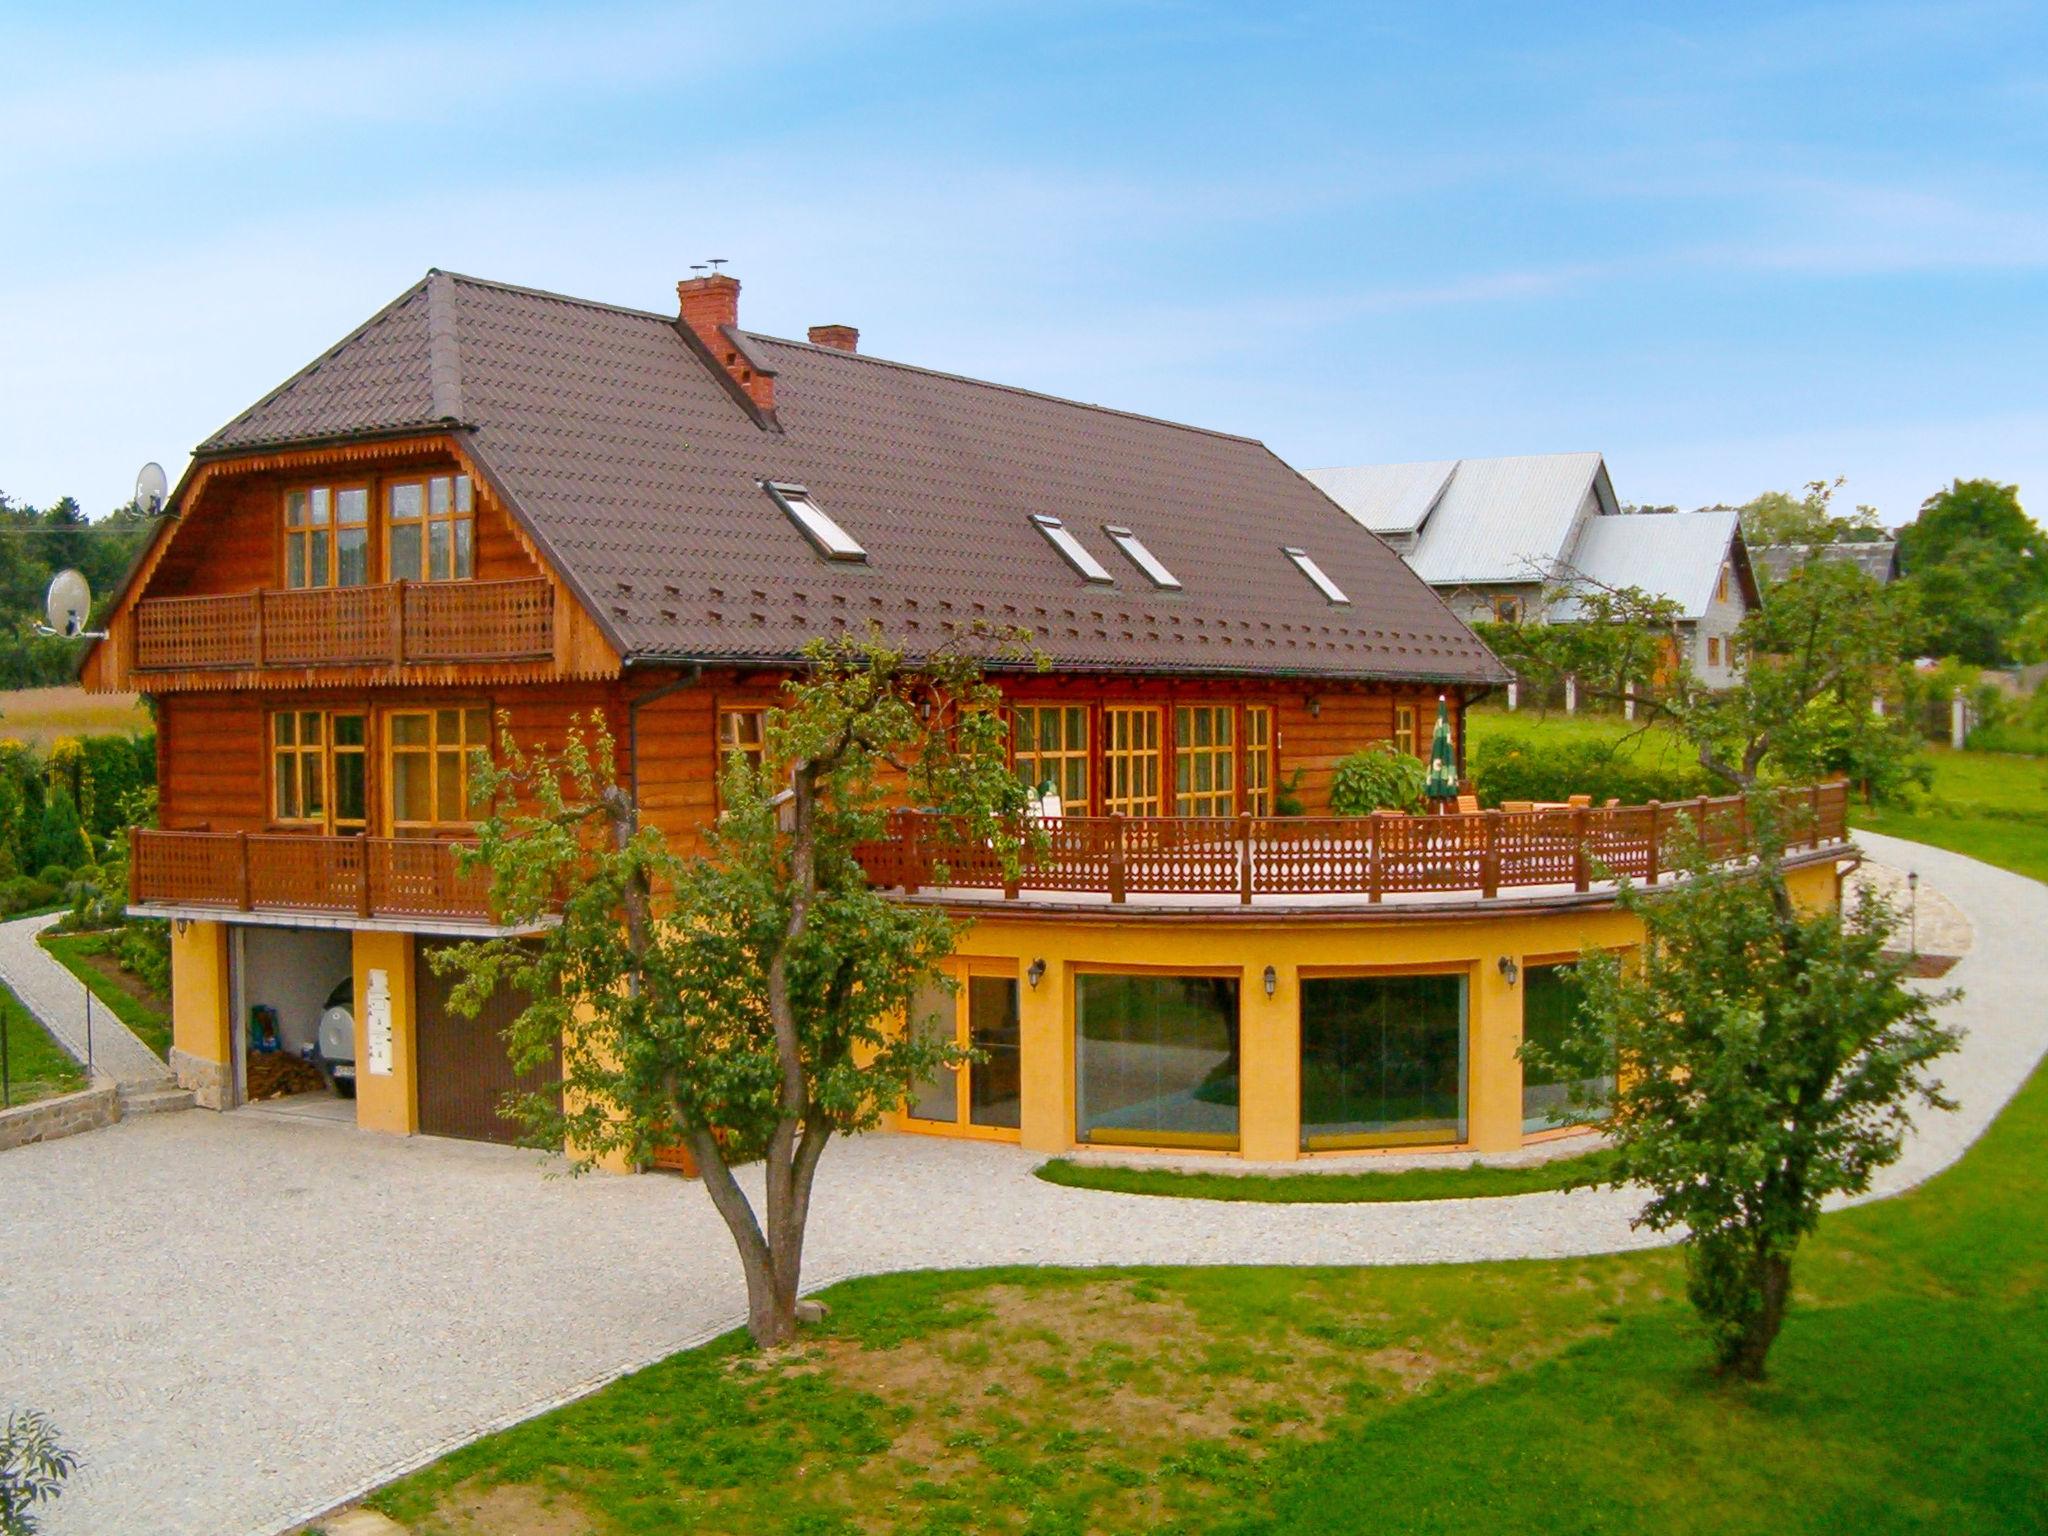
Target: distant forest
point(37, 542)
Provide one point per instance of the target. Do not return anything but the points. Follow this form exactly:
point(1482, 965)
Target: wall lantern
point(1272, 981)
point(1035, 972)
point(179, 925)
point(1314, 706)
point(1510, 972)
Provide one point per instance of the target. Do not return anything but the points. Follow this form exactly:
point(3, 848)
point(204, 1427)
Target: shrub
point(144, 948)
point(1380, 779)
point(60, 839)
point(25, 893)
point(1505, 769)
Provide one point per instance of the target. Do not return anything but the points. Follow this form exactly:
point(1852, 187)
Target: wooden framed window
point(1205, 760)
point(743, 731)
point(427, 754)
point(1713, 650)
point(1507, 610)
point(1404, 728)
point(298, 766)
point(430, 529)
point(318, 769)
point(1721, 584)
point(1258, 759)
point(327, 536)
point(1049, 744)
point(1130, 760)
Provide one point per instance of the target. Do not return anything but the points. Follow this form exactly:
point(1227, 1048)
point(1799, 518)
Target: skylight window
point(832, 541)
point(1303, 559)
point(1072, 548)
point(1142, 557)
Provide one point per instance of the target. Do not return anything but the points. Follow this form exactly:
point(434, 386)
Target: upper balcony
point(399, 623)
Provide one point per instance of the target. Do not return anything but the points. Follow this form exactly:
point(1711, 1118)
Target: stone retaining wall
point(208, 1080)
point(48, 1119)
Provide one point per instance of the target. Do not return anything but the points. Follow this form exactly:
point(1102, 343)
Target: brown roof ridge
point(1008, 389)
point(559, 298)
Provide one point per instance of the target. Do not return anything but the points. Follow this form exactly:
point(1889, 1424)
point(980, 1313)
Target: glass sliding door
point(1550, 999)
point(1383, 1060)
point(1156, 1060)
point(981, 1013)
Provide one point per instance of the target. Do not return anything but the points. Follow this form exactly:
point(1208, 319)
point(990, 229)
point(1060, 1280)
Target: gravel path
point(240, 1321)
point(57, 999)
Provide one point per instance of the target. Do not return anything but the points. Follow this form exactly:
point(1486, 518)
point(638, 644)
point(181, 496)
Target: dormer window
point(812, 521)
point(1142, 557)
point(1072, 550)
point(1305, 563)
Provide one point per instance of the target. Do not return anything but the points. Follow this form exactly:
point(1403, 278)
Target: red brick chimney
point(711, 309)
point(844, 337)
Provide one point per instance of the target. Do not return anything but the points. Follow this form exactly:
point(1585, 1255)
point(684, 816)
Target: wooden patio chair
point(1518, 805)
point(1579, 802)
point(1468, 805)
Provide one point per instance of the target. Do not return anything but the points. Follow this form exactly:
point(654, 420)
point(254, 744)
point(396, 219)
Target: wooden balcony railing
point(1366, 857)
point(365, 877)
point(397, 623)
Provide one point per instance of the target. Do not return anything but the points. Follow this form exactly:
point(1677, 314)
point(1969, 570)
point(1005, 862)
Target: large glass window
point(432, 525)
point(1130, 760)
point(1051, 746)
point(317, 769)
point(430, 753)
point(1156, 1060)
point(1551, 995)
point(982, 1014)
point(1205, 760)
point(1382, 1060)
point(1258, 759)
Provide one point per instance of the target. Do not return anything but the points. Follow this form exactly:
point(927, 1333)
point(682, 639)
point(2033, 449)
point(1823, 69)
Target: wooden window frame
point(1713, 650)
point(1066, 753)
point(389, 750)
point(1256, 788)
point(1404, 727)
point(961, 969)
point(329, 821)
point(458, 515)
point(1507, 608)
point(1133, 759)
point(1721, 583)
point(1221, 802)
point(288, 533)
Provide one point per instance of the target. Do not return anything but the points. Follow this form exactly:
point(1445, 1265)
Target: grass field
point(90, 957)
point(40, 716)
point(1639, 740)
point(37, 1066)
point(1473, 1182)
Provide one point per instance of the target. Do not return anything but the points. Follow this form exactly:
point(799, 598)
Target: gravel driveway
point(240, 1322)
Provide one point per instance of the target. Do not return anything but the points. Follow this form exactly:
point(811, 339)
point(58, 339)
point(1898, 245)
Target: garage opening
point(294, 1042)
point(465, 1069)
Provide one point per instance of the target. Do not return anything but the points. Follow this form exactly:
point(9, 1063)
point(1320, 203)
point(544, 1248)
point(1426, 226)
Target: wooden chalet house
point(491, 500)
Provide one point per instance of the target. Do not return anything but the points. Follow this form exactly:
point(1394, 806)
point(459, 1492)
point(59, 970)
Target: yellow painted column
point(1046, 1052)
point(1269, 1066)
point(387, 1101)
point(202, 1005)
point(1493, 1067)
point(614, 1161)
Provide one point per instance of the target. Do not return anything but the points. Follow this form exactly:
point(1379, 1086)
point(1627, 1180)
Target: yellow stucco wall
point(200, 999)
point(1269, 1109)
point(388, 1102)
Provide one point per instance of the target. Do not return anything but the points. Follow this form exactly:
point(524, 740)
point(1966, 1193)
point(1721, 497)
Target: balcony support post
point(1489, 854)
point(243, 897)
point(1116, 857)
point(398, 622)
point(259, 646)
point(1244, 858)
point(1653, 856)
point(1375, 878)
point(364, 905)
point(1582, 828)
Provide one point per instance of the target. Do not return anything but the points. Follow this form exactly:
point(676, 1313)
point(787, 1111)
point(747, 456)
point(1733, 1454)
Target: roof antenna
point(717, 261)
point(697, 266)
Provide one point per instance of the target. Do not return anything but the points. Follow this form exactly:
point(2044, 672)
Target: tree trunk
point(1744, 1356)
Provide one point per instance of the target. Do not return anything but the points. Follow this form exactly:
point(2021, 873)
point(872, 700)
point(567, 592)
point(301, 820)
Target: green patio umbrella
point(1441, 783)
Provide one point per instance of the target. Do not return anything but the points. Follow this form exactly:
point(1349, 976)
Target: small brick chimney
point(843, 337)
point(711, 310)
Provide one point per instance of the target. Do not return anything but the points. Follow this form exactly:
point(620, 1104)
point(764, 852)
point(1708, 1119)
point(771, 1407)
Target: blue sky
point(1734, 247)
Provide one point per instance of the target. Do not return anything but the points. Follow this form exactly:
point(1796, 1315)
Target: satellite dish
point(152, 485)
point(67, 605)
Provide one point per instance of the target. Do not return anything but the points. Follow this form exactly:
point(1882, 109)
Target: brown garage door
point(465, 1069)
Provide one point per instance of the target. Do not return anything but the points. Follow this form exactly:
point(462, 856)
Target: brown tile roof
point(631, 462)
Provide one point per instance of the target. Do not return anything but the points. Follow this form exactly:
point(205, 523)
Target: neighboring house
point(489, 510)
point(1877, 558)
point(1506, 539)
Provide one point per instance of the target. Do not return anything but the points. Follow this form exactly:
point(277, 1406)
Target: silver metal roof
point(1667, 554)
point(1480, 520)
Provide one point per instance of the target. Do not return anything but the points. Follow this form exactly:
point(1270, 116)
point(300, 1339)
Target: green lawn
point(1989, 805)
point(1652, 744)
point(90, 957)
point(1472, 1182)
point(37, 1066)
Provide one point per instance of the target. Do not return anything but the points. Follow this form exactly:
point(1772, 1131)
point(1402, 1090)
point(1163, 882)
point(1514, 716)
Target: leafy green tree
point(33, 1467)
point(1979, 565)
point(747, 1002)
point(1770, 1057)
point(1779, 517)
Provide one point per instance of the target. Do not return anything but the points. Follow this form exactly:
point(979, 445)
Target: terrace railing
point(396, 623)
point(365, 877)
point(1481, 853)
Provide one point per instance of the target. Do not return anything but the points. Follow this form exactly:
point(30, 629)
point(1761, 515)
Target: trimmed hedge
point(1506, 769)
